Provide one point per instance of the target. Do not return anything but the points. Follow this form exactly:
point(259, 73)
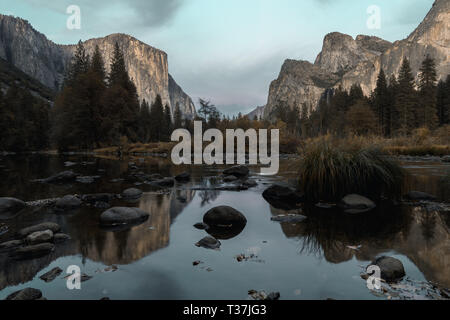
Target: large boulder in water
point(25, 294)
point(123, 215)
point(224, 222)
point(354, 204)
point(9, 207)
point(237, 171)
point(54, 227)
point(391, 269)
point(224, 216)
point(282, 197)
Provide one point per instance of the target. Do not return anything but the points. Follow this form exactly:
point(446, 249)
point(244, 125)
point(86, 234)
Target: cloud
point(147, 13)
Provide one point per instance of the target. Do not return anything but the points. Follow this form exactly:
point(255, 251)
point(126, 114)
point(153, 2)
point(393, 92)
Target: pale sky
point(227, 51)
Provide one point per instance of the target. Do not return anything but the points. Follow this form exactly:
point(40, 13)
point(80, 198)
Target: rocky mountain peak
point(31, 52)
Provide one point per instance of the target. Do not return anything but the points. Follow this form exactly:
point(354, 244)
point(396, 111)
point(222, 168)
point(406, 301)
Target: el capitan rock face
point(31, 52)
point(345, 61)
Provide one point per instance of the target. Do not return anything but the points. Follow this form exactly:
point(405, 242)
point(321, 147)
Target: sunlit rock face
point(34, 54)
point(345, 61)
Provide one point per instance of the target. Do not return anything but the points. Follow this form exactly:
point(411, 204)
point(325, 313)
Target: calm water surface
point(310, 260)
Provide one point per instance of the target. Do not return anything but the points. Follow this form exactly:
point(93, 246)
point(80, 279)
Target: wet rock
point(391, 269)
point(123, 215)
point(68, 203)
point(8, 245)
point(282, 197)
point(201, 226)
point(54, 227)
point(87, 179)
point(230, 178)
point(182, 199)
point(354, 204)
point(31, 252)
point(237, 171)
point(62, 177)
point(9, 207)
point(446, 159)
point(39, 237)
point(25, 294)
point(250, 183)
point(184, 177)
point(132, 194)
point(262, 295)
point(60, 237)
point(417, 196)
point(290, 218)
point(209, 243)
point(51, 275)
point(196, 263)
point(224, 217)
point(155, 176)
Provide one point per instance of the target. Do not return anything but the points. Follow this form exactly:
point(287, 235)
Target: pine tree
point(144, 122)
point(157, 119)
point(177, 117)
point(167, 129)
point(405, 103)
point(382, 105)
point(443, 101)
point(427, 114)
point(78, 65)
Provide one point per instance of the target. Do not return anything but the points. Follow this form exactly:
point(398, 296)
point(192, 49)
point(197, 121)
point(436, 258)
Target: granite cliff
point(31, 52)
point(345, 61)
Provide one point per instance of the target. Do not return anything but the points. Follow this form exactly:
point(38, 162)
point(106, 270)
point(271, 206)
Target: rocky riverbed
point(251, 236)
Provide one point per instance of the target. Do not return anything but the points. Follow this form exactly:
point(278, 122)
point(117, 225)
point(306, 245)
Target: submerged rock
point(238, 171)
point(123, 215)
point(68, 203)
point(282, 197)
point(31, 252)
point(391, 269)
point(209, 243)
point(164, 183)
point(97, 197)
point(25, 294)
point(355, 203)
point(9, 207)
point(51, 275)
point(39, 237)
point(54, 227)
point(417, 196)
point(65, 176)
point(3, 228)
point(131, 194)
point(87, 179)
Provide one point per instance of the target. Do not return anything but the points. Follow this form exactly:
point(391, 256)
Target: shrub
point(331, 169)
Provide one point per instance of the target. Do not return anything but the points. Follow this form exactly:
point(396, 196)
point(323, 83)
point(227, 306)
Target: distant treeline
point(395, 108)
